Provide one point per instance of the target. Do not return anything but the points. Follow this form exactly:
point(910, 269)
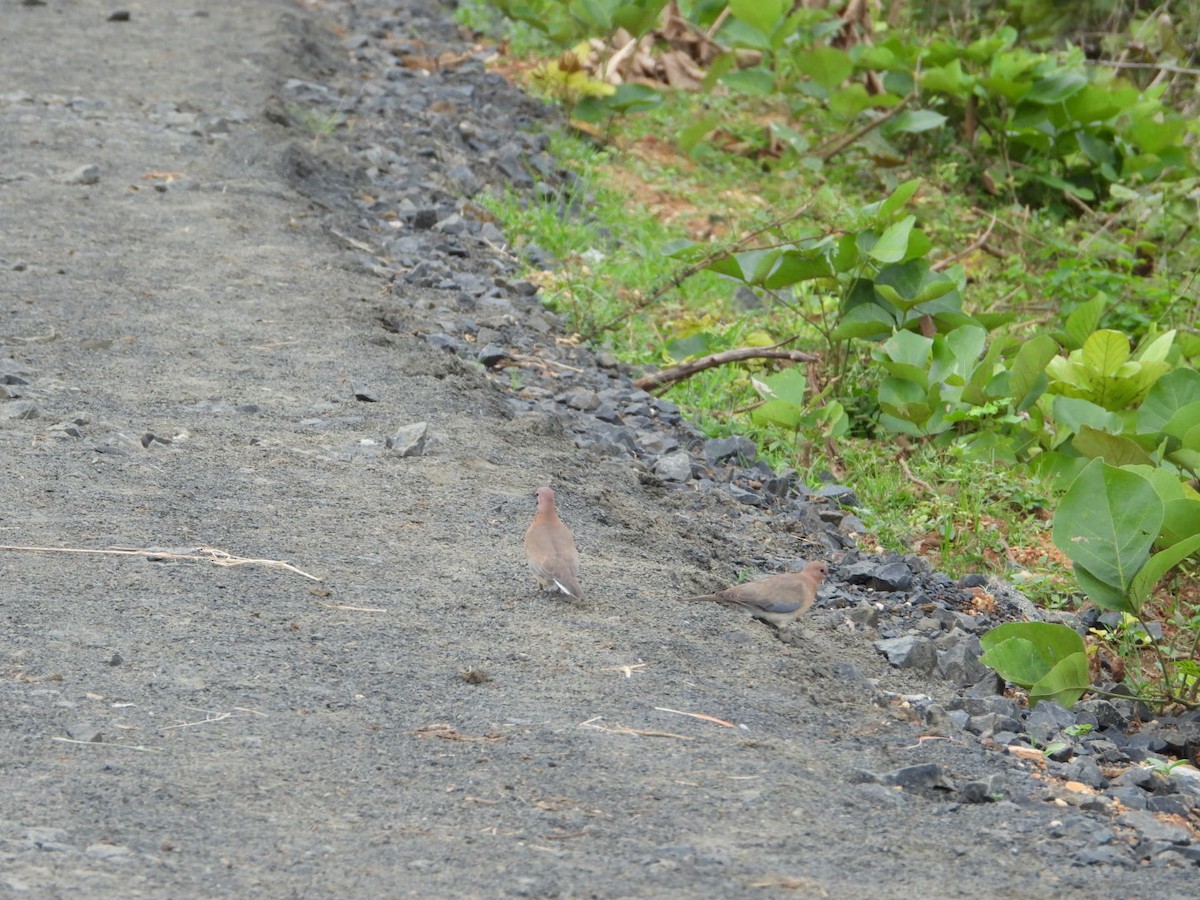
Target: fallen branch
point(108, 744)
point(201, 554)
point(919, 482)
point(351, 608)
point(676, 374)
point(701, 716)
point(833, 148)
point(974, 245)
point(639, 732)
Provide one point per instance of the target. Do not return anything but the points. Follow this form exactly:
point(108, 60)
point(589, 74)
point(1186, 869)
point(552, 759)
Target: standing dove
point(776, 599)
point(550, 549)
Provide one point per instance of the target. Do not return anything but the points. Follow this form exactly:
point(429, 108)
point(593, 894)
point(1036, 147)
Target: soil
point(188, 346)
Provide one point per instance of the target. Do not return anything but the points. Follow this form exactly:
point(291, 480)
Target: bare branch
point(683, 371)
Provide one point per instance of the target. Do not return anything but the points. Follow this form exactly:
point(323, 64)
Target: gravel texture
point(252, 307)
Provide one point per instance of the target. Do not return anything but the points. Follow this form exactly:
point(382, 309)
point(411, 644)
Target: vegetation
point(988, 233)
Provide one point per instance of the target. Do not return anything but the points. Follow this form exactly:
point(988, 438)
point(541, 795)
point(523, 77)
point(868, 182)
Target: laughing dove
point(550, 549)
point(776, 599)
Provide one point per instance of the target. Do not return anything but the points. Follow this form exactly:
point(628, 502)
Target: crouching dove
point(550, 549)
point(776, 599)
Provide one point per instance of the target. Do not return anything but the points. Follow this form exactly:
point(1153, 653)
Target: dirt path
point(183, 340)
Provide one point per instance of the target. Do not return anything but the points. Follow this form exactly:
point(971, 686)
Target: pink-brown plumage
point(550, 549)
point(777, 599)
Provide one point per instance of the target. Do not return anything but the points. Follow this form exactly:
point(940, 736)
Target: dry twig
point(701, 716)
point(108, 744)
point(919, 482)
point(621, 729)
point(675, 374)
point(200, 554)
point(974, 245)
point(833, 148)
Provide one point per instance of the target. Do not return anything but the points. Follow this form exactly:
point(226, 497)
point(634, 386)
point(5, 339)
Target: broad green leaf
point(1169, 485)
point(850, 101)
point(1101, 153)
point(919, 245)
point(1074, 413)
point(1180, 522)
point(899, 425)
point(790, 386)
point(1114, 449)
point(698, 344)
point(744, 266)
point(795, 266)
point(893, 243)
point(916, 121)
point(758, 81)
point(736, 33)
point(827, 66)
point(900, 393)
point(1028, 369)
point(1183, 421)
point(911, 283)
point(909, 348)
point(1083, 321)
point(1065, 683)
point(682, 248)
point(868, 323)
point(638, 18)
point(1018, 661)
point(778, 412)
point(1097, 103)
point(983, 49)
point(1107, 522)
point(765, 15)
point(1056, 642)
point(1011, 89)
point(847, 256)
point(1171, 393)
point(1100, 592)
point(1062, 184)
point(974, 392)
point(875, 58)
point(948, 79)
point(1058, 467)
point(1158, 566)
point(898, 199)
point(631, 98)
point(764, 262)
point(1157, 349)
point(1106, 351)
point(1155, 136)
point(1056, 88)
point(956, 354)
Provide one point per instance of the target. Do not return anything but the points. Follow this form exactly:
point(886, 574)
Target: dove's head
point(817, 570)
point(545, 499)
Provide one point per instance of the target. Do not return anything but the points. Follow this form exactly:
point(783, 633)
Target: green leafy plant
point(1103, 371)
point(1162, 767)
point(1049, 660)
point(566, 22)
point(1108, 524)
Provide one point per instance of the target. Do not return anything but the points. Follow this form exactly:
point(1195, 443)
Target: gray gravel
point(251, 310)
